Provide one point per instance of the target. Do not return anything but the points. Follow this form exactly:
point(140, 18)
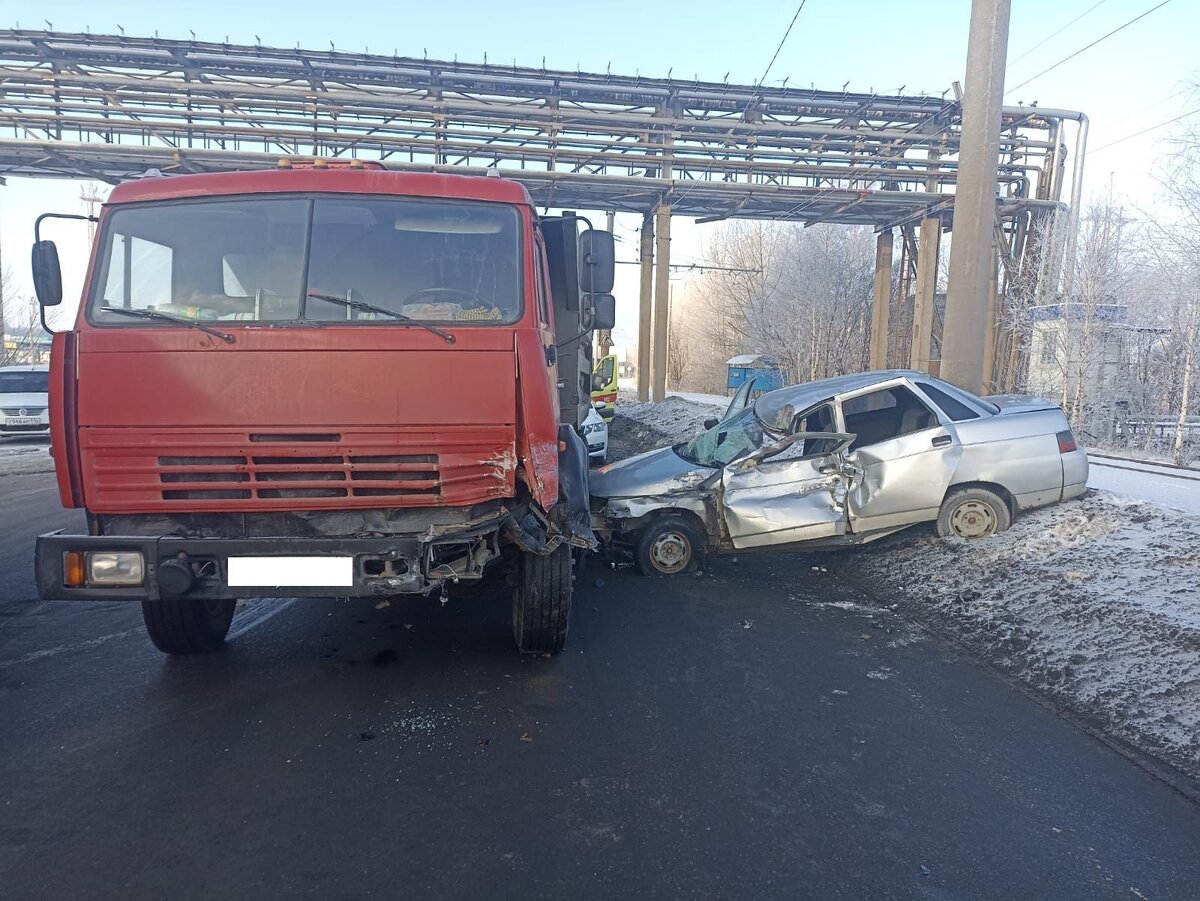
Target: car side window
point(955, 409)
point(883, 415)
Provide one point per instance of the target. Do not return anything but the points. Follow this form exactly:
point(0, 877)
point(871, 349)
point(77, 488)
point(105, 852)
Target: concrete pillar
point(662, 315)
point(881, 300)
point(971, 255)
point(928, 245)
point(645, 310)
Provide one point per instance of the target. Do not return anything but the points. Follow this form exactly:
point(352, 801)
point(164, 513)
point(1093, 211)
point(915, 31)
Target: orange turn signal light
point(73, 569)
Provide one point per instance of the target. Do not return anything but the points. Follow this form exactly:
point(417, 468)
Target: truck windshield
point(271, 259)
point(724, 442)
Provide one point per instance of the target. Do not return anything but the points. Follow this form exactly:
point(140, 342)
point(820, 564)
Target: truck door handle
point(942, 440)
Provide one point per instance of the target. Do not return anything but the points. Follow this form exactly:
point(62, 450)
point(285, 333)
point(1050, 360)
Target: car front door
point(907, 453)
point(792, 491)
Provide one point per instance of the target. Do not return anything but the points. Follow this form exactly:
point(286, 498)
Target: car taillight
point(1066, 442)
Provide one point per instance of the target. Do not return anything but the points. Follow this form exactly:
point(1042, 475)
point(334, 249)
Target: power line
point(1088, 47)
point(1137, 134)
point(1057, 33)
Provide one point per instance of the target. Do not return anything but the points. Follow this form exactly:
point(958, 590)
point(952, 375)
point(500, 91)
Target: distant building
point(33, 348)
point(763, 367)
point(1092, 344)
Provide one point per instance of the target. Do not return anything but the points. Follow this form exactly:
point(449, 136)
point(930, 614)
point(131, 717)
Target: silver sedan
point(838, 462)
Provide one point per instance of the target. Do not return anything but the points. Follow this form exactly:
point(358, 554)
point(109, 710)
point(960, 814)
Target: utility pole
point(971, 257)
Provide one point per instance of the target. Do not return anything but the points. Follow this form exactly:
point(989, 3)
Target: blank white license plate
point(291, 572)
point(23, 420)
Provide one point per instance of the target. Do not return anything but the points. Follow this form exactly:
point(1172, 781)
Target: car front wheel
point(667, 547)
point(973, 513)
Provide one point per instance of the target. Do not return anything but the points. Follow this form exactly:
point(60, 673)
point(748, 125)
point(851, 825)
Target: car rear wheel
point(667, 547)
point(187, 625)
point(542, 601)
point(973, 513)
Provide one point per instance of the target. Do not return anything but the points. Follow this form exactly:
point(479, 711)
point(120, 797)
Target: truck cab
point(324, 381)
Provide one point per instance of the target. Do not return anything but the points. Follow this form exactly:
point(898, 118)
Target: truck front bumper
point(200, 567)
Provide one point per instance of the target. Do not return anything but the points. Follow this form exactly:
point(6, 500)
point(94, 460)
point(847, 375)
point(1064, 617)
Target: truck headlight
point(116, 568)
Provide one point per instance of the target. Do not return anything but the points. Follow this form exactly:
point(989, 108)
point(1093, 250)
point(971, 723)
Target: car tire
point(669, 546)
point(542, 601)
point(972, 513)
point(187, 625)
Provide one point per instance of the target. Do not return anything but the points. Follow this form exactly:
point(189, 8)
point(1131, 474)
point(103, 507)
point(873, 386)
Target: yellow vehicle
point(604, 387)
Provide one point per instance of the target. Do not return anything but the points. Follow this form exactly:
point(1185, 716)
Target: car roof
point(769, 408)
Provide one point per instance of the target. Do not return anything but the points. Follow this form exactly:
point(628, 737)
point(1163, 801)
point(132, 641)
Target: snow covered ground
point(1146, 481)
point(1094, 603)
point(25, 455)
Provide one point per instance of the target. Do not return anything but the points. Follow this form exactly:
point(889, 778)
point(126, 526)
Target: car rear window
point(955, 409)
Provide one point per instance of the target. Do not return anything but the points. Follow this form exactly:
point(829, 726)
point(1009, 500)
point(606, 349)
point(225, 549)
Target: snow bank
point(1095, 603)
point(676, 418)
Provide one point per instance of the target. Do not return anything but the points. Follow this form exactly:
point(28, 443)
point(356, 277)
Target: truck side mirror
point(597, 262)
point(711, 422)
point(604, 311)
point(47, 275)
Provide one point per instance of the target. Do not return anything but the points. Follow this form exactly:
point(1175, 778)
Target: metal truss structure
point(110, 107)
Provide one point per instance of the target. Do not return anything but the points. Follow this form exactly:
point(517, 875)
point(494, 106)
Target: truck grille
point(275, 477)
point(264, 471)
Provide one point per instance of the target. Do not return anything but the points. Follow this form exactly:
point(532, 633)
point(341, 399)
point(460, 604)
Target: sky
point(1130, 82)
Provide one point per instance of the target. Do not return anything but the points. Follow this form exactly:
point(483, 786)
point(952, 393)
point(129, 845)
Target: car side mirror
point(604, 311)
point(47, 274)
point(710, 423)
point(597, 263)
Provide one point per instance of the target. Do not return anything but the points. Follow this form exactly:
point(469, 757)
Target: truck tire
point(542, 601)
point(188, 625)
point(669, 546)
point(972, 513)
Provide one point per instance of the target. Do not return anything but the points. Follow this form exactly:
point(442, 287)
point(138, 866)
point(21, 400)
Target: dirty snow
point(1095, 603)
point(22, 456)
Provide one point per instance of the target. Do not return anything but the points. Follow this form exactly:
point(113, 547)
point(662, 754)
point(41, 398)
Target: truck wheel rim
point(670, 552)
point(973, 519)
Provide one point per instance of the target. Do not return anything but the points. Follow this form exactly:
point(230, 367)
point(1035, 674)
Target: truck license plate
point(291, 572)
point(23, 420)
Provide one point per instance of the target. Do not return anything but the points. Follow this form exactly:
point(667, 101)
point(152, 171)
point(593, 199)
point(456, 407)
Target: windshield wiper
point(371, 308)
point(167, 317)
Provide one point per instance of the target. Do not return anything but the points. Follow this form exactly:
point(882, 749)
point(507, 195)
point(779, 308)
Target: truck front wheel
point(187, 625)
point(542, 601)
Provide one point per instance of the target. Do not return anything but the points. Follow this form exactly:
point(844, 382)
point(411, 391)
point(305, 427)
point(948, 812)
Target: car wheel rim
point(973, 519)
point(670, 552)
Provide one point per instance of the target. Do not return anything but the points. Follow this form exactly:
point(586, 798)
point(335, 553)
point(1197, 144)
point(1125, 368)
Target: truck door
point(604, 386)
point(907, 454)
point(792, 491)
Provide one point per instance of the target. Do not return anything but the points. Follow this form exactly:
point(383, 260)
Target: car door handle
point(942, 440)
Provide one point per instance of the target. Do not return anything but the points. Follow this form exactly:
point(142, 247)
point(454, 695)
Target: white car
point(595, 433)
point(24, 400)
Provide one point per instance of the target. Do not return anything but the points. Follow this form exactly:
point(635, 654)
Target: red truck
point(323, 380)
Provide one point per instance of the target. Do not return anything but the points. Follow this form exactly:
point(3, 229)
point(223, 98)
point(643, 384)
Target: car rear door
point(907, 458)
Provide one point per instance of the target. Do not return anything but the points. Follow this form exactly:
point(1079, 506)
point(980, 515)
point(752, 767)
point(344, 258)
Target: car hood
point(654, 472)
point(24, 399)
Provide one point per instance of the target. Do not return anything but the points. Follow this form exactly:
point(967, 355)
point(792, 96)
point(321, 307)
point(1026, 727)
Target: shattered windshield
point(724, 442)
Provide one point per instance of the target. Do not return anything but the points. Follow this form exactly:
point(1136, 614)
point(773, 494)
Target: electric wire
point(1066, 59)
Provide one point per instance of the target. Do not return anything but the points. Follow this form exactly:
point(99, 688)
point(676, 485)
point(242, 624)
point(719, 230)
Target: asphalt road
point(754, 732)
